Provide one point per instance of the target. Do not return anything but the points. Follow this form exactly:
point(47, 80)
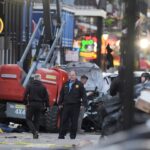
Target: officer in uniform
point(70, 100)
point(36, 100)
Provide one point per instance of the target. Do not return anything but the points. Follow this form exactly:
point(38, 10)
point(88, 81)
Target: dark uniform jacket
point(36, 92)
point(74, 95)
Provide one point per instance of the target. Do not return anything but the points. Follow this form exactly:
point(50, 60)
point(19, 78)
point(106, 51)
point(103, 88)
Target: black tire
point(3, 118)
point(51, 120)
point(2, 109)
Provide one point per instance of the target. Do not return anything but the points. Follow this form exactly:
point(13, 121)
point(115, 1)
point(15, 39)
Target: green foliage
point(109, 21)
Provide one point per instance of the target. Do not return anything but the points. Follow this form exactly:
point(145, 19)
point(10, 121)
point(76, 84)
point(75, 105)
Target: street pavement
point(46, 141)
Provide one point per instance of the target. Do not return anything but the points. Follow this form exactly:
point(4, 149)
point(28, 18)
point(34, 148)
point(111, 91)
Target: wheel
point(52, 119)
point(2, 109)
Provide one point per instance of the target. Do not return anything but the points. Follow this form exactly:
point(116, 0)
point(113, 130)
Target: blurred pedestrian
point(109, 58)
point(116, 85)
point(145, 84)
point(36, 100)
point(70, 100)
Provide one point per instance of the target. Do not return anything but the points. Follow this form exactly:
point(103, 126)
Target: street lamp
point(105, 36)
point(144, 43)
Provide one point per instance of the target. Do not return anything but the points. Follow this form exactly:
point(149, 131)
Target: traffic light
point(2, 17)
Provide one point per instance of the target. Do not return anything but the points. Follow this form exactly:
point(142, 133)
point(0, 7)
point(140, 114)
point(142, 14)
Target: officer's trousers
point(33, 113)
point(70, 115)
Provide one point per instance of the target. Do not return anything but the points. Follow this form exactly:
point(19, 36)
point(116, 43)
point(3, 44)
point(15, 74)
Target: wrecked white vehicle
point(94, 73)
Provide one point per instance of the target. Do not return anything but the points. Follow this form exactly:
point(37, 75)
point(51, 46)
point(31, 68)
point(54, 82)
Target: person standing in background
point(70, 101)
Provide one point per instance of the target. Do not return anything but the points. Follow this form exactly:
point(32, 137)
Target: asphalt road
point(24, 141)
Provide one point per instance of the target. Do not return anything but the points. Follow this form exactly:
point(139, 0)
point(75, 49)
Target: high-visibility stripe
point(48, 81)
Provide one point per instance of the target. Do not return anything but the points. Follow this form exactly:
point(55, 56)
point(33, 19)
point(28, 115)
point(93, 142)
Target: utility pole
point(128, 51)
point(47, 21)
point(99, 35)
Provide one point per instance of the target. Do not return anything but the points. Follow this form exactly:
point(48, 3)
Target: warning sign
point(1, 25)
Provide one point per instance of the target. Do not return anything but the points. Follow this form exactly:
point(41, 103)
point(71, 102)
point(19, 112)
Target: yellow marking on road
point(3, 143)
point(22, 143)
point(67, 146)
point(1, 131)
point(41, 145)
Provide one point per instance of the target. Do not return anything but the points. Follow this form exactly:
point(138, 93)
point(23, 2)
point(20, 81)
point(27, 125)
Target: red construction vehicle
point(13, 80)
point(12, 92)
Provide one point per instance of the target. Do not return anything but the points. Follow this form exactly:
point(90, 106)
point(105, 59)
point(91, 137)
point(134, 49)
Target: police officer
point(36, 100)
point(70, 99)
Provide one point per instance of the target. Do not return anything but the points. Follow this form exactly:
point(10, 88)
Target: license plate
point(15, 110)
